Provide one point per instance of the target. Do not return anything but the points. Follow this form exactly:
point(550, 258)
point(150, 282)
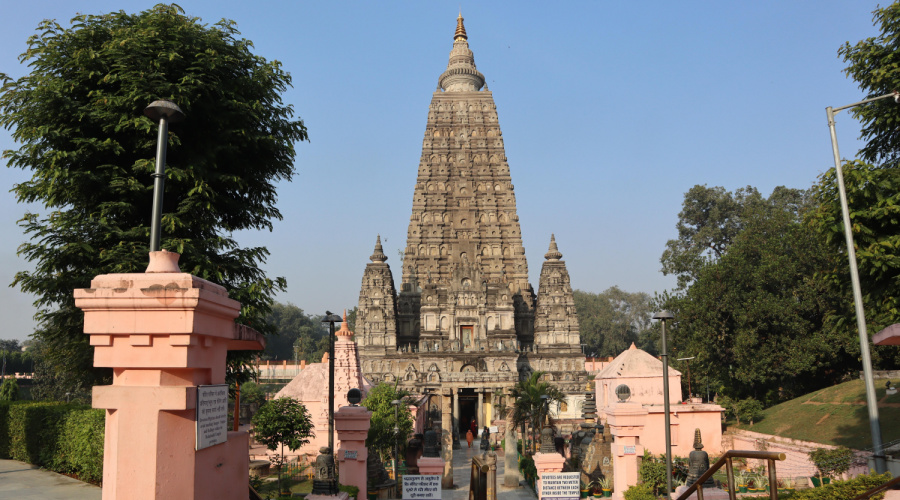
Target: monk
point(469, 437)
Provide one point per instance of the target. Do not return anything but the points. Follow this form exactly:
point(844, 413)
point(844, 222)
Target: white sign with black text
point(212, 415)
point(420, 487)
point(560, 486)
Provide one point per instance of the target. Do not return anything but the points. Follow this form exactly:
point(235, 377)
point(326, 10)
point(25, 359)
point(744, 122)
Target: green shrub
point(351, 490)
point(652, 472)
point(9, 390)
point(62, 437)
point(831, 462)
point(641, 491)
point(842, 490)
point(34, 431)
point(81, 445)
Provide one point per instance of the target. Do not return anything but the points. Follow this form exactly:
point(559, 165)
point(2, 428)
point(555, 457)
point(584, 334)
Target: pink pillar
point(626, 423)
point(163, 333)
point(352, 426)
point(547, 462)
point(431, 466)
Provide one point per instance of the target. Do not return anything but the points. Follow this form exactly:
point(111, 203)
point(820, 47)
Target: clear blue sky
point(610, 111)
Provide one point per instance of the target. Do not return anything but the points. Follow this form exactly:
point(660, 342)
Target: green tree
point(709, 220)
point(297, 334)
point(280, 422)
point(78, 119)
point(611, 320)
point(873, 187)
point(381, 437)
point(756, 319)
point(529, 408)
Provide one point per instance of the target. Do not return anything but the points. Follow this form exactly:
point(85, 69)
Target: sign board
point(629, 450)
point(419, 487)
point(349, 454)
point(212, 415)
point(560, 486)
point(494, 429)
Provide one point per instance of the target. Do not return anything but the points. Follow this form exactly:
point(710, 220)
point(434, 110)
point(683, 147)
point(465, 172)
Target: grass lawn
point(270, 488)
point(836, 415)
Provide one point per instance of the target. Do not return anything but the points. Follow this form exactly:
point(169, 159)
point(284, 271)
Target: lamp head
point(663, 315)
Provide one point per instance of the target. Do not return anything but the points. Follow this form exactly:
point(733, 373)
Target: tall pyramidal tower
point(466, 321)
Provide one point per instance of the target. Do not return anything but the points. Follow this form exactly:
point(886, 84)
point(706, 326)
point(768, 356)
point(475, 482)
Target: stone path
point(462, 470)
point(26, 482)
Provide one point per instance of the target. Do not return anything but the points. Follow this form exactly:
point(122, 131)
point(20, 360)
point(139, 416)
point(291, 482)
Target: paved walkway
point(23, 481)
point(462, 470)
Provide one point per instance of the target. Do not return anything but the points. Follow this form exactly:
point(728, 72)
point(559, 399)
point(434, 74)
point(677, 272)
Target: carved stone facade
point(466, 321)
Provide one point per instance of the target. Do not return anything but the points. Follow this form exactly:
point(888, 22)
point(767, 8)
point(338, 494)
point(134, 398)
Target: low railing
point(726, 460)
point(874, 491)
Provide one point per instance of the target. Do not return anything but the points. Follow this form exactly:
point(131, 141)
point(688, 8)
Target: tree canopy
point(756, 318)
point(78, 118)
point(611, 320)
point(381, 437)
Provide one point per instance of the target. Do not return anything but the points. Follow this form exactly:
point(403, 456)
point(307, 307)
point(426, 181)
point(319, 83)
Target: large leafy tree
point(298, 335)
point(381, 437)
point(611, 320)
point(873, 186)
point(78, 119)
point(756, 319)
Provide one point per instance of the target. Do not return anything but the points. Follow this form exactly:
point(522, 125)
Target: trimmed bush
point(842, 490)
point(66, 438)
point(81, 445)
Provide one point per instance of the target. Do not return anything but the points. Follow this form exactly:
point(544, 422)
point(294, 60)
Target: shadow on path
point(26, 482)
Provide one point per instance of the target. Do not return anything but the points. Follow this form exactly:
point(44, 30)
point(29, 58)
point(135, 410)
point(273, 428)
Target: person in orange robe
point(469, 437)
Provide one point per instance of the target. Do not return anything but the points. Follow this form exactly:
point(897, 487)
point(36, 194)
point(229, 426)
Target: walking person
point(485, 439)
point(469, 437)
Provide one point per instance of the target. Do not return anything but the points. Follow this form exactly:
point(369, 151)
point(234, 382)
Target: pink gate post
point(626, 423)
point(164, 333)
point(352, 426)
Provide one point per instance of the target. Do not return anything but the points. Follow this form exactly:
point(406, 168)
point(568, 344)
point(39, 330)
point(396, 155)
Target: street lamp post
point(871, 401)
point(662, 316)
point(396, 404)
point(331, 319)
point(164, 112)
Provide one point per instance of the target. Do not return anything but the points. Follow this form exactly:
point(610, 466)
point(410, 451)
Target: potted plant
point(761, 483)
point(606, 486)
point(596, 488)
point(742, 482)
point(585, 490)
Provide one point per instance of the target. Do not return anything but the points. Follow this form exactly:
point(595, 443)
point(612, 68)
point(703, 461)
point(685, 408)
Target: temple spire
point(460, 29)
point(378, 255)
point(553, 254)
point(461, 74)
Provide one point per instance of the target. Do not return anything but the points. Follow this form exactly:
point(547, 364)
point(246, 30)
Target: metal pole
point(871, 401)
point(665, 360)
point(159, 180)
point(331, 386)
point(396, 438)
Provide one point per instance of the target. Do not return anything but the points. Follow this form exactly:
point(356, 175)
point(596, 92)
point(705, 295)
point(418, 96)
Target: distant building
point(466, 323)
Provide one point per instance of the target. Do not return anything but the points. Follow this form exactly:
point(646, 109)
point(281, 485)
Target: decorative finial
point(460, 29)
point(553, 254)
point(345, 327)
point(698, 442)
point(378, 255)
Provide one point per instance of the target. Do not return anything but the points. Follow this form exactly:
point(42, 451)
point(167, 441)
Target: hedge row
point(66, 438)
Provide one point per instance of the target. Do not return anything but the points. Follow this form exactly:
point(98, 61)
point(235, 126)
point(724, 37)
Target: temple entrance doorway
point(468, 407)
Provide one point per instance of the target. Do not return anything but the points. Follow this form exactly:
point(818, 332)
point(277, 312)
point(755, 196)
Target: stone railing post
point(352, 426)
point(626, 423)
point(164, 333)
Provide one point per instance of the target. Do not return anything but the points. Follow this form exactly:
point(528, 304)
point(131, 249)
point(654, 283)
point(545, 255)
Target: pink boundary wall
point(163, 333)
point(796, 463)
